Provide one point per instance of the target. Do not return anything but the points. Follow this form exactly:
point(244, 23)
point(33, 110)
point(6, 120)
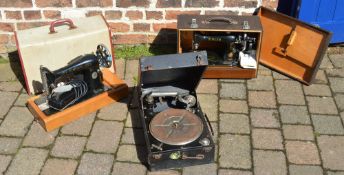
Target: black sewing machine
point(80, 79)
point(234, 43)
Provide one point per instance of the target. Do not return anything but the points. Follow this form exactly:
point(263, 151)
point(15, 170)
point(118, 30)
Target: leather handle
point(222, 19)
point(61, 22)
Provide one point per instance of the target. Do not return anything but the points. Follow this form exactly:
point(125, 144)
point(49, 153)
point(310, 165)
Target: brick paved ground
point(269, 125)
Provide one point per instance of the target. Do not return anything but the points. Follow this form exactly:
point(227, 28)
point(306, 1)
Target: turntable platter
point(176, 127)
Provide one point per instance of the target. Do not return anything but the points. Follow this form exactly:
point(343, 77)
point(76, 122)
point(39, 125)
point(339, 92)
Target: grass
point(138, 51)
point(3, 60)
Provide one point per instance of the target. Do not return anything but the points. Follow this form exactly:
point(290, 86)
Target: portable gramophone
point(177, 132)
point(79, 80)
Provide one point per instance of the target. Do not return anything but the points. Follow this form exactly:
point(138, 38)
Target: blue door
point(327, 14)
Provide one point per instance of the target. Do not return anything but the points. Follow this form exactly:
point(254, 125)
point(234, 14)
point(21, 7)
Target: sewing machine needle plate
point(176, 127)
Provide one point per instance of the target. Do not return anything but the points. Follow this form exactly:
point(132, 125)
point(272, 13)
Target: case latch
point(245, 25)
point(284, 51)
point(194, 24)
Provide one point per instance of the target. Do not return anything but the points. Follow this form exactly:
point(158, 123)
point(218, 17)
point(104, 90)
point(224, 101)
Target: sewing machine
point(235, 43)
point(80, 79)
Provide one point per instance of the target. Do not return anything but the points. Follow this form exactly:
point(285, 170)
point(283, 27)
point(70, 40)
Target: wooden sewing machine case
point(53, 46)
point(285, 44)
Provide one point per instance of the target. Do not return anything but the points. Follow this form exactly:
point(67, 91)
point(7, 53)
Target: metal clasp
point(245, 25)
point(194, 23)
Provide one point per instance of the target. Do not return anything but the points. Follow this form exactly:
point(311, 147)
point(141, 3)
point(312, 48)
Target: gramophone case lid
point(290, 46)
point(38, 46)
point(180, 70)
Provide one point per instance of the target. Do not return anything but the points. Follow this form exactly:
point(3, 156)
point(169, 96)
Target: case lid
point(218, 22)
point(290, 46)
point(179, 70)
point(53, 46)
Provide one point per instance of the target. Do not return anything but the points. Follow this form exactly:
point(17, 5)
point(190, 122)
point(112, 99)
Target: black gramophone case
point(180, 71)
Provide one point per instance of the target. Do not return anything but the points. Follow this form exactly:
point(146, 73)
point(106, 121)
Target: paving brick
point(267, 139)
point(9, 145)
point(298, 132)
point(105, 136)
point(163, 172)
point(234, 151)
point(22, 99)
point(269, 162)
point(59, 167)
point(321, 105)
point(326, 63)
point(335, 173)
point(320, 78)
point(234, 123)
point(262, 70)
point(133, 136)
point(264, 118)
point(294, 114)
point(128, 168)
point(317, 90)
point(262, 99)
point(92, 163)
point(215, 127)
point(339, 98)
point(133, 119)
point(335, 72)
point(130, 153)
point(302, 152)
point(260, 83)
point(289, 92)
point(233, 80)
point(209, 105)
point(81, 127)
point(305, 170)
point(327, 124)
point(337, 60)
point(27, 161)
point(332, 152)
point(17, 122)
point(131, 69)
point(6, 100)
point(207, 86)
point(7, 74)
point(279, 76)
point(207, 169)
point(233, 106)
point(4, 162)
point(68, 147)
point(233, 172)
point(337, 84)
point(10, 86)
point(116, 111)
point(38, 137)
point(233, 90)
point(120, 66)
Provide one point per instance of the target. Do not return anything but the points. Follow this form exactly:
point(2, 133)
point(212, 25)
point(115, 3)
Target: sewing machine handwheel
point(104, 56)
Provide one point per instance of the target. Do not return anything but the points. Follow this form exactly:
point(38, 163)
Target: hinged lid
point(54, 45)
point(179, 70)
point(218, 22)
point(290, 46)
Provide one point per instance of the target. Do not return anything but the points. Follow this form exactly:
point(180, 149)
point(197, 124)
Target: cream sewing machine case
point(54, 46)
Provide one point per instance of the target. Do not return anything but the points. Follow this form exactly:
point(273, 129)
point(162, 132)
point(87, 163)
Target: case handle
point(222, 19)
point(283, 51)
point(61, 22)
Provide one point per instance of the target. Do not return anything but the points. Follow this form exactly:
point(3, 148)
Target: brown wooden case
point(287, 45)
point(185, 35)
point(118, 91)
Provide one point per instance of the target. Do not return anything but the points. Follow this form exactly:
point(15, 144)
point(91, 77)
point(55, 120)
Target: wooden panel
point(119, 90)
point(302, 57)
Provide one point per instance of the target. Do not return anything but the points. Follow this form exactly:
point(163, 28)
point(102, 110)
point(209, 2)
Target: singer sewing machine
point(234, 44)
point(77, 81)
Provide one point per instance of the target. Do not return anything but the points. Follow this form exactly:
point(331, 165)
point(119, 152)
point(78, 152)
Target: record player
point(177, 132)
